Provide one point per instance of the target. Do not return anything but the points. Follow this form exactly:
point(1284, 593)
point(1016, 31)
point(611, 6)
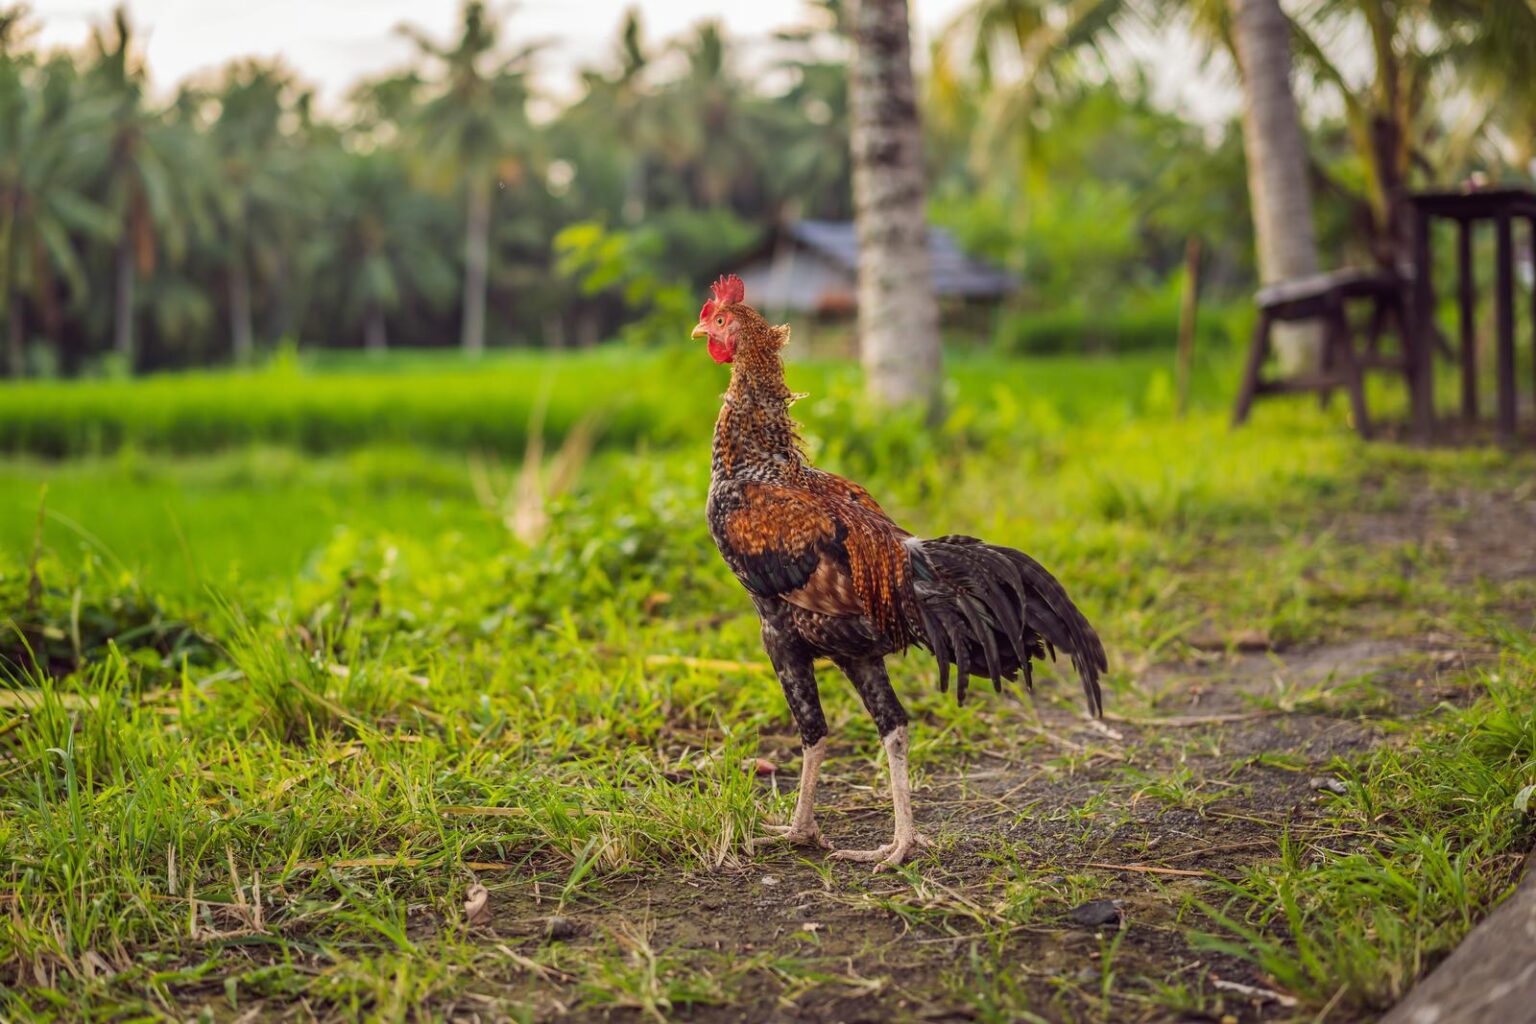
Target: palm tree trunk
point(10, 302)
point(554, 331)
point(122, 317)
point(240, 331)
point(587, 327)
point(1278, 188)
point(634, 192)
point(15, 339)
point(375, 334)
point(477, 241)
point(281, 312)
point(898, 317)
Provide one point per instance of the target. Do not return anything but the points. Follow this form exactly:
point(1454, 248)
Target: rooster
point(831, 575)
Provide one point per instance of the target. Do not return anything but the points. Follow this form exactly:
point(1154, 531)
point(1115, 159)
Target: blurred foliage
point(1143, 324)
point(139, 232)
point(1107, 200)
point(631, 263)
point(99, 612)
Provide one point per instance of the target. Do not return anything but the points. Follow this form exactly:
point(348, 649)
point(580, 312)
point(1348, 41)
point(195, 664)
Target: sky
point(334, 43)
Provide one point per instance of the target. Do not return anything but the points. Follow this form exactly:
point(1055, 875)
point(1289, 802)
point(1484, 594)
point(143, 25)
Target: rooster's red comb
point(729, 289)
point(726, 289)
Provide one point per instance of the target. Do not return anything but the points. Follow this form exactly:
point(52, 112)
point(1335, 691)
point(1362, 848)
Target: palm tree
point(618, 110)
point(1278, 188)
point(150, 176)
point(255, 99)
point(1397, 114)
point(714, 140)
point(384, 108)
point(1025, 55)
point(476, 130)
point(381, 233)
point(48, 157)
point(1498, 51)
point(809, 158)
point(898, 316)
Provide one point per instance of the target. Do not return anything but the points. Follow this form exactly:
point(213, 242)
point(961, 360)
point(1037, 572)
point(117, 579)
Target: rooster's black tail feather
point(989, 610)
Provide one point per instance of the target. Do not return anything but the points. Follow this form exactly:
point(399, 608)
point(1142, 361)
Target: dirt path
point(1196, 797)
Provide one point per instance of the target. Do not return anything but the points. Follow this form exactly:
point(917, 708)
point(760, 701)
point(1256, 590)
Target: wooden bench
point(1325, 299)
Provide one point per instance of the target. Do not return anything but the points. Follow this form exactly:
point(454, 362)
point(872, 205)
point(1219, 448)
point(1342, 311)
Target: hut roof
point(954, 273)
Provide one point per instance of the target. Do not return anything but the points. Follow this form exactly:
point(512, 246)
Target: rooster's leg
point(802, 827)
point(796, 669)
point(907, 838)
point(874, 687)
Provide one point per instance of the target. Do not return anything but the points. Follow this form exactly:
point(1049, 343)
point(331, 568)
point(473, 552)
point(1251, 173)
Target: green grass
point(1356, 922)
point(256, 514)
point(327, 404)
point(268, 715)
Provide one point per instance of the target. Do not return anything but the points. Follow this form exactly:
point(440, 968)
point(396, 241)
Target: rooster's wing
point(829, 549)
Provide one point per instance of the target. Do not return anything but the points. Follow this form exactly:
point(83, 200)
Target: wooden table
point(1502, 206)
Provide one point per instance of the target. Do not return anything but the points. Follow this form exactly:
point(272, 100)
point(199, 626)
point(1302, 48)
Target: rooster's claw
point(795, 834)
point(888, 856)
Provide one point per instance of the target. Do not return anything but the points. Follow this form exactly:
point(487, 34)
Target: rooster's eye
point(719, 321)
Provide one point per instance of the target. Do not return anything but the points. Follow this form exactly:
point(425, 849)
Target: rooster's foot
point(799, 835)
point(888, 856)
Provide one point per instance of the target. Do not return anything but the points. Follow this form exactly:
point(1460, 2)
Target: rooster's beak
point(699, 331)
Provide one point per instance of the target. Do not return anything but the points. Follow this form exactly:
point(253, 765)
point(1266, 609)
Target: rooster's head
point(722, 318)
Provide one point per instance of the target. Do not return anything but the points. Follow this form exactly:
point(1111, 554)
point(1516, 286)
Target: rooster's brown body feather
point(845, 579)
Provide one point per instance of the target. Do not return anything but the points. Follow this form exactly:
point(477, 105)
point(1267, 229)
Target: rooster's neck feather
point(755, 436)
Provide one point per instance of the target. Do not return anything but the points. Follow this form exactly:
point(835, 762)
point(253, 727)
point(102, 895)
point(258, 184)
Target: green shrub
point(1137, 327)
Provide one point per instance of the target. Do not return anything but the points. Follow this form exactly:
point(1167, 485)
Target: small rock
point(1252, 640)
point(477, 901)
point(1328, 784)
point(561, 929)
point(1205, 639)
point(1095, 914)
point(770, 880)
point(1247, 641)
